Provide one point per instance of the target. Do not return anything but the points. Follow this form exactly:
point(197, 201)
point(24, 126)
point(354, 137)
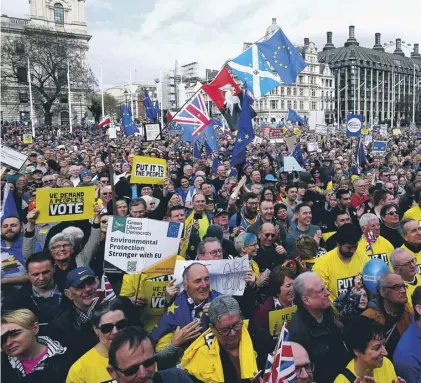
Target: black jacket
point(323, 342)
point(392, 235)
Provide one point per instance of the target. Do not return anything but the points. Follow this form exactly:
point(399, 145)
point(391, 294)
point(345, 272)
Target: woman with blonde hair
point(26, 356)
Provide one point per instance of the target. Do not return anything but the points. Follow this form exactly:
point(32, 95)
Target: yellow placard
point(148, 170)
point(164, 267)
point(278, 317)
point(396, 132)
point(364, 132)
point(297, 131)
point(65, 204)
point(155, 296)
point(27, 139)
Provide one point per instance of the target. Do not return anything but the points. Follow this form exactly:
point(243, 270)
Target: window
point(64, 116)
point(289, 103)
point(301, 91)
point(301, 105)
point(300, 79)
point(313, 93)
point(58, 13)
point(23, 97)
point(282, 104)
point(19, 49)
point(294, 91)
point(25, 116)
point(22, 74)
point(313, 105)
point(62, 76)
point(288, 91)
point(61, 51)
point(64, 99)
point(282, 91)
point(274, 104)
point(295, 105)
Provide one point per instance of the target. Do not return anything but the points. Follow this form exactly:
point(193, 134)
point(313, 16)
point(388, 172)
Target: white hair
point(368, 217)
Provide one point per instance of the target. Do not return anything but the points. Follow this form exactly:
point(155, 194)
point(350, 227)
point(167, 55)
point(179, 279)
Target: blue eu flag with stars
point(283, 56)
point(129, 127)
point(173, 229)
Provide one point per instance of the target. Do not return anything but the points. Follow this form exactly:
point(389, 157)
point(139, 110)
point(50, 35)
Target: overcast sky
point(150, 35)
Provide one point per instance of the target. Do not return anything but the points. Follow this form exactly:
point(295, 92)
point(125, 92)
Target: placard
point(321, 130)
point(275, 133)
point(141, 244)
point(312, 147)
point(297, 131)
point(154, 291)
point(379, 146)
point(152, 132)
point(277, 318)
point(12, 158)
point(226, 275)
point(365, 131)
point(65, 204)
point(396, 132)
point(354, 124)
point(291, 165)
point(383, 131)
point(148, 170)
point(27, 139)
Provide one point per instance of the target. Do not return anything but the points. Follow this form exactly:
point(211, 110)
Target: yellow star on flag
point(172, 308)
point(239, 140)
point(246, 136)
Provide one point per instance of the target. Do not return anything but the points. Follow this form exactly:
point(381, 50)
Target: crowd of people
point(308, 236)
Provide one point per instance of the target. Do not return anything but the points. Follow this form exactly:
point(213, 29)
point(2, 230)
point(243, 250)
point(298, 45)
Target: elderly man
point(313, 326)
point(360, 195)
point(224, 353)
point(269, 253)
point(137, 208)
point(407, 358)
point(209, 249)
point(372, 243)
point(411, 234)
point(390, 308)
point(74, 171)
point(190, 305)
point(404, 264)
point(303, 366)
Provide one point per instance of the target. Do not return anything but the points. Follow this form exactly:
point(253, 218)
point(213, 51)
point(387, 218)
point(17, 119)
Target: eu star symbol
point(279, 47)
point(246, 136)
point(239, 140)
point(172, 308)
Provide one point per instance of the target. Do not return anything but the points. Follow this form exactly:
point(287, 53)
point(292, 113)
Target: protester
point(389, 215)
point(411, 234)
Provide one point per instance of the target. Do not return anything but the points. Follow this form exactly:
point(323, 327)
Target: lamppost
point(125, 95)
point(80, 104)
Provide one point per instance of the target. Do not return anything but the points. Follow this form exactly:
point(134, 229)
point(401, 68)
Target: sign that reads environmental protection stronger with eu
point(148, 170)
point(65, 204)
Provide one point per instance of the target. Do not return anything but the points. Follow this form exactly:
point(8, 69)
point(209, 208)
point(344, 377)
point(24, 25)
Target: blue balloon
point(373, 270)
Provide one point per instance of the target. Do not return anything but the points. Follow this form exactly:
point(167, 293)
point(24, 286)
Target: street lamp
point(125, 95)
point(80, 104)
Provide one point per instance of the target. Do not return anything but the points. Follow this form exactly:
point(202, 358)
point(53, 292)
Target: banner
point(65, 204)
point(312, 147)
point(353, 125)
point(321, 130)
point(141, 244)
point(226, 275)
point(152, 132)
point(383, 131)
point(27, 139)
point(368, 139)
point(148, 170)
point(278, 317)
point(379, 146)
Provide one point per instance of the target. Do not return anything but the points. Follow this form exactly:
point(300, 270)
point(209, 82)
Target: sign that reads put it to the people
point(148, 170)
point(65, 204)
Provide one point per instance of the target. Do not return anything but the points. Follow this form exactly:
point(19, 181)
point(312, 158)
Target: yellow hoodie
point(203, 361)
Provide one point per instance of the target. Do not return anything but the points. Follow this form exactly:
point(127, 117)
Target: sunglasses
point(392, 213)
point(104, 221)
point(267, 235)
point(7, 334)
point(107, 193)
point(106, 328)
point(135, 368)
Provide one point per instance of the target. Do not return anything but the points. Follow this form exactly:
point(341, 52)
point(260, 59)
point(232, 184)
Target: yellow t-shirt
point(382, 249)
point(414, 213)
point(417, 256)
point(90, 368)
point(338, 276)
point(411, 287)
point(385, 374)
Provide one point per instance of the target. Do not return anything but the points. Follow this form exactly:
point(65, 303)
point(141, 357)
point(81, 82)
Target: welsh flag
point(105, 121)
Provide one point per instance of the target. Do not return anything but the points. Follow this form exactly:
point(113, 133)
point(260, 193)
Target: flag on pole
point(107, 288)
point(169, 116)
point(293, 116)
point(283, 56)
point(9, 208)
point(298, 155)
point(360, 155)
point(149, 108)
point(105, 121)
point(129, 127)
point(69, 97)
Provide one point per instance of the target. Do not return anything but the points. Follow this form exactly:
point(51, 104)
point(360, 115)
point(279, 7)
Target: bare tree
point(111, 106)
point(49, 53)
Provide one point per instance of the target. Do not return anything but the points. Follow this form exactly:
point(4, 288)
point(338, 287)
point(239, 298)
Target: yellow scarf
point(203, 361)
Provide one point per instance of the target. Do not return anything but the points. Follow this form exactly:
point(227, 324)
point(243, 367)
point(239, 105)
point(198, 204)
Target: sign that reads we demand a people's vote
point(148, 170)
point(137, 245)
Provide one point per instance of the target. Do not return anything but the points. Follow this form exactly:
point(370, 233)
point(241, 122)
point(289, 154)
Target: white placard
point(226, 275)
point(383, 131)
point(112, 133)
point(312, 146)
point(291, 165)
point(134, 244)
point(257, 140)
point(12, 158)
point(152, 132)
point(321, 130)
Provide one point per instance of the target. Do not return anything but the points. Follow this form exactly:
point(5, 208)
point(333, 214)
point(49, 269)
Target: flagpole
point(102, 94)
point(30, 100)
point(69, 97)
point(131, 93)
point(161, 92)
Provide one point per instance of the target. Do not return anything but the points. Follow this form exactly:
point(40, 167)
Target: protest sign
point(275, 133)
point(291, 165)
point(312, 146)
point(12, 158)
point(354, 123)
point(321, 130)
point(226, 275)
point(139, 244)
point(257, 140)
point(297, 131)
point(368, 139)
point(152, 132)
point(154, 291)
point(383, 131)
point(365, 131)
point(27, 138)
point(278, 317)
point(290, 141)
point(65, 204)
point(396, 132)
point(379, 146)
point(148, 170)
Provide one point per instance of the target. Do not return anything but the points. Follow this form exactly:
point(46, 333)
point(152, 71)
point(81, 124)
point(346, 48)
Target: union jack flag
point(370, 240)
point(281, 367)
point(107, 288)
point(193, 116)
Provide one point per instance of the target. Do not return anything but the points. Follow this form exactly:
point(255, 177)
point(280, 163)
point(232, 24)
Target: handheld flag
point(370, 240)
point(107, 288)
point(298, 155)
point(293, 116)
point(360, 155)
point(105, 121)
point(245, 134)
point(129, 127)
point(208, 137)
point(9, 208)
point(149, 108)
point(251, 68)
point(283, 56)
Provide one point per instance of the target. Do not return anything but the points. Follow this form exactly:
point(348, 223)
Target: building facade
point(384, 87)
point(66, 17)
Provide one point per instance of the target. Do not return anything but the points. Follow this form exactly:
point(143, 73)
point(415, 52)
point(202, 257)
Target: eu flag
point(149, 108)
point(9, 208)
point(208, 137)
point(293, 116)
point(298, 155)
point(173, 229)
point(360, 156)
point(129, 128)
point(283, 56)
point(197, 149)
point(245, 133)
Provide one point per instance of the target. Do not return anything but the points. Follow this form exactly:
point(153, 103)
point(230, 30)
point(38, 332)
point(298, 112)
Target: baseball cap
point(76, 277)
point(220, 211)
point(85, 172)
point(271, 178)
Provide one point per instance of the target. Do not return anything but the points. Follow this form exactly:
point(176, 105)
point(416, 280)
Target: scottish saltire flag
point(107, 288)
point(129, 128)
point(245, 134)
point(293, 116)
point(283, 367)
point(360, 155)
point(251, 68)
point(298, 155)
point(9, 208)
point(283, 56)
point(193, 117)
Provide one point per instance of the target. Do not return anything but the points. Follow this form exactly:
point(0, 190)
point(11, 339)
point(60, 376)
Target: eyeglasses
point(396, 287)
point(106, 328)
point(214, 252)
point(267, 235)
point(47, 181)
point(413, 261)
point(253, 203)
point(107, 193)
point(227, 330)
point(394, 212)
point(309, 367)
point(104, 221)
point(64, 247)
point(135, 368)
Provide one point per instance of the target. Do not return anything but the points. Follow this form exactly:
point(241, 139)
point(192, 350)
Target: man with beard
point(339, 267)
point(247, 215)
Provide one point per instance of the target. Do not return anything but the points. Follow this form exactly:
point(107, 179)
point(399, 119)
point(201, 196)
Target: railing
point(14, 20)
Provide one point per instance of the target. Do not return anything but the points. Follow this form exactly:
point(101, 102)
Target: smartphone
point(197, 216)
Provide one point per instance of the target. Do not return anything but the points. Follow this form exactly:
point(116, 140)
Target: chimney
point(416, 53)
point(306, 41)
point(398, 51)
point(329, 43)
point(351, 39)
point(378, 43)
point(273, 20)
